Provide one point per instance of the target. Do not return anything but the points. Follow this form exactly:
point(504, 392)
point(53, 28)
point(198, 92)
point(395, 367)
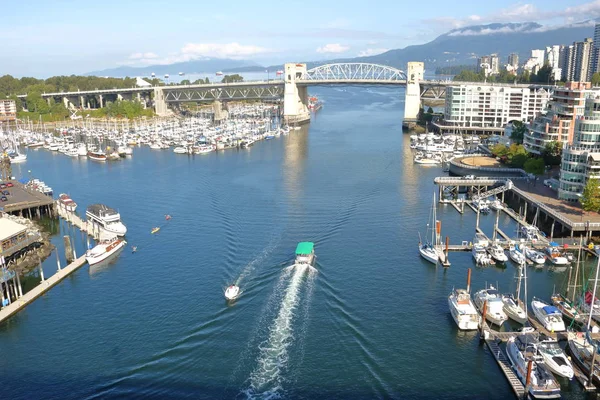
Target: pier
point(43, 287)
point(93, 230)
point(26, 202)
point(504, 365)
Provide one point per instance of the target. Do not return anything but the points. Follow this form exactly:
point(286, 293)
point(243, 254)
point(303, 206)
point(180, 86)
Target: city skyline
point(73, 38)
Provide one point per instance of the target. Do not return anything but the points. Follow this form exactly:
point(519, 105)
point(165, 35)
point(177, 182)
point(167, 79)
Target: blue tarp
point(554, 244)
point(551, 310)
point(23, 180)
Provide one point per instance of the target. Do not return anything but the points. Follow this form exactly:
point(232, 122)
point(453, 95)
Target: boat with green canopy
point(305, 253)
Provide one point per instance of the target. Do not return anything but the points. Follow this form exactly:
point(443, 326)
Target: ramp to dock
point(504, 365)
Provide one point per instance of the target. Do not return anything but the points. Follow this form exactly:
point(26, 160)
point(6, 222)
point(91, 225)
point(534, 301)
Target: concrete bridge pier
point(295, 98)
point(412, 103)
point(100, 100)
point(160, 105)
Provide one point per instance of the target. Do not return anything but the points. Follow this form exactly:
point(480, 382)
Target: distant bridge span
point(361, 73)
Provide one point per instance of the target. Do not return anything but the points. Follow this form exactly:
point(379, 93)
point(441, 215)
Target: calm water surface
point(373, 322)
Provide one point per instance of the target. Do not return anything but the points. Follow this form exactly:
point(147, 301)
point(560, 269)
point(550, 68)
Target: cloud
point(371, 52)
point(523, 13)
point(333, 48)
point(195, 51)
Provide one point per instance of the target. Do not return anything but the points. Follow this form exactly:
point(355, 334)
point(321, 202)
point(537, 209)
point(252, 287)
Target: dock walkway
point(93, 230)
point(40, 289)
point(504, 365)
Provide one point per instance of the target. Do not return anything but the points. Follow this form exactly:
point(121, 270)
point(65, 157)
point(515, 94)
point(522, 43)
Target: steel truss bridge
point(262, 90)
point(345, 73)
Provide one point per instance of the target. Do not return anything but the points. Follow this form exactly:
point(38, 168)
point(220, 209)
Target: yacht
point(107, 218)
point(555, 358)
point(566, 308)
point(82, 150)
point(497, 253)
point(72, 152)
point(512, 309)
point(535, 256)
point(97, 155)
point(16, 158)
point(204, 149)
point(494, 312)
point(462, 309)
point(529, 232)
point(232, 292)
point(480, 256)
point(67, 203)
point(104, 249)
point(549, 316)
point(523, 349)
point(554, 255)
point(515, 255)
point(305, 254)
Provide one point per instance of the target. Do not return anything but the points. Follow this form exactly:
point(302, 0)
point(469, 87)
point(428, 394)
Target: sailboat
point(427, 250)
point(561, 302)
point(511, 307)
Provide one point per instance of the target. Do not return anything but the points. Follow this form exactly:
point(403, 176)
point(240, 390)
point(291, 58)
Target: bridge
point(292, 89)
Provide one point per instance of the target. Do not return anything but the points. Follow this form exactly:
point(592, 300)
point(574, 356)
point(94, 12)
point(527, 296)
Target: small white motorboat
point(232, 292)
point(535, 256)
point(497, 253)
point(549, 316)
point(554, 254)
point(517, 257)
point(555, 358)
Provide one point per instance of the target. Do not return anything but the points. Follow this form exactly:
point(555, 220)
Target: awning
point(595, 156)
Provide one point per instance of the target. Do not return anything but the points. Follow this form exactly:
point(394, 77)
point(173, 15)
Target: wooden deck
point(504, 365)
point(92, 230)
point(40, 289)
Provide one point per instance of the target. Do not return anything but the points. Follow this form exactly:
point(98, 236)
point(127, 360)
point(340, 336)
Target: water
point(371, 322)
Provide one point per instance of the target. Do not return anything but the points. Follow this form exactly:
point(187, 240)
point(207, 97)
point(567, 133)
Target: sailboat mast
point(520, 272)
point(593, 295)
point(433, 222)
point(525, 286)
point(576, 271)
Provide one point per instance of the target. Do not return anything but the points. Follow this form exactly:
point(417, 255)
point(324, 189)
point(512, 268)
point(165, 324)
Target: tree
point(430, 110)
point(185, 82)
point(232, 78)
point(590, 199)
point(499, 150)
point(518, 132)
point(596, 79)
point(552, 153)
point(544, 75)
point(534, 166)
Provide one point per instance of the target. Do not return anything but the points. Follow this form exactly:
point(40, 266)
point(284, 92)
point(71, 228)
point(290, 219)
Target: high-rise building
point(8, 110)
point(535, 62)
point(552, 59)
point(556, 123)
point(582, 61)
point(494, 64)
point(513, 61)
point(596, 49)
point(484, 63)
point(581, 160)
point(565, 60)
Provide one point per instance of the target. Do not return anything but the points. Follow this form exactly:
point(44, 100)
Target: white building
point(488, 108)
point(535, 62)
point(553, 60)
point(8, 110)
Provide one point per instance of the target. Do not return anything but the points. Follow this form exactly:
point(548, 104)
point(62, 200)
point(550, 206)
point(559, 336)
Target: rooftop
point(10, 228)
point(304, 248)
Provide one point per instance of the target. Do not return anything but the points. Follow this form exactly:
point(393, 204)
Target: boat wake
point(249, 268)
point(268, 377)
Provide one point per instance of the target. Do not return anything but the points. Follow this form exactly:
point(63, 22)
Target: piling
point(468, 280)
point(68, 249)
point(528, 380)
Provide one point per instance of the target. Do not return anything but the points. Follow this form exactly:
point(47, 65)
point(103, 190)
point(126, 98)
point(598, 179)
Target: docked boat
point(529, 232)
point(566, 308)
point(516, 256)
point(16, 158)
point(82, 150)
point(555, 358)
point(591, 307)
point(305, 254)
point(97, 155)
point(582, 354)
point(533, 255)
point(494, 311)
point(522, 350)
point(427, 249)
point(108, 218)
point(512, 309)
point(480, 256)
point(549, 316)
point(462, 309)
point(67, 203)
point(554, 254)
point(232, 292)
point(496, 205)
point(497, 253)
point(103, 250)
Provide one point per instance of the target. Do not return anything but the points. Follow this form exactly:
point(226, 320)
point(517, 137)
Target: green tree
point(552, 153)
point(430, 110)
point(596, 79)
point(534, 166)
point(544, 75)
point(590, 199)
point(499, 150)
point(518, 132)
point(185, 82)
point(232, 78)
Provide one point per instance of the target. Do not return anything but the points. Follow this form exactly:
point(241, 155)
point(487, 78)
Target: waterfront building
point(552, 59)
point(8, 110)
point(557, 121)
point(581, 159)
point(12, 235)
point(488, 108)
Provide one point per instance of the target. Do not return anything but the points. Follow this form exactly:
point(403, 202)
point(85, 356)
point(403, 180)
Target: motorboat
point(481, 206)
point(67, 203)
point(522, 350)
point(496, 205)
point(497, 253)
point(232, 292)
point(516, 256)
point(463, 310)
point(480, 256)
point(97, 155)
point(305, 254)
point(549, 316)
point(204, 149)
point(554, 254)
point(16, 158)
point(529, 232)
point(481, 239)
point(566, 308)
point(494, 310)
point(82, 150)
point(512, 309)
point(533, 255)
point(555, 358)
point(104, 249)
point(108, 219)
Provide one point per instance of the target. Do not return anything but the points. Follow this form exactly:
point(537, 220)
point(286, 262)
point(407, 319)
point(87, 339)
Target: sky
point(43, 38)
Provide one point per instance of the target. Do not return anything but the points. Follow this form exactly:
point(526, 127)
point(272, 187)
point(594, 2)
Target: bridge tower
point(295, 98)
point(412, 103)
point(160, 104)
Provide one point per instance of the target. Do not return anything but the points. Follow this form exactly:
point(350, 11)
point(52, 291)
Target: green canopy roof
point(304, 248)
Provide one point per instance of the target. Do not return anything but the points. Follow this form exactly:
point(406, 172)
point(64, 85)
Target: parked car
point(6, 192)
point(2, 186)
point(9, 184)
point(4, 198)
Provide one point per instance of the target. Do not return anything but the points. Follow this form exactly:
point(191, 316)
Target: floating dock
point(40, 289)
point(92, 229)
point(504, 365)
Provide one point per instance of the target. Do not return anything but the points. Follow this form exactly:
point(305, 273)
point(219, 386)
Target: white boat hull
point(429, 255)
point(99, 253)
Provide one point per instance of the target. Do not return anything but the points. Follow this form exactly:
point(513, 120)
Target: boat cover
point(554, 244)
point(551, 310)
point(304, 248)
point(588, 298)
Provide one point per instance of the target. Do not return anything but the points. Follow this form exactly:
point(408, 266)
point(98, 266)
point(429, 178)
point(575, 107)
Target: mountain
point(187, 67)
point(462, 46)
